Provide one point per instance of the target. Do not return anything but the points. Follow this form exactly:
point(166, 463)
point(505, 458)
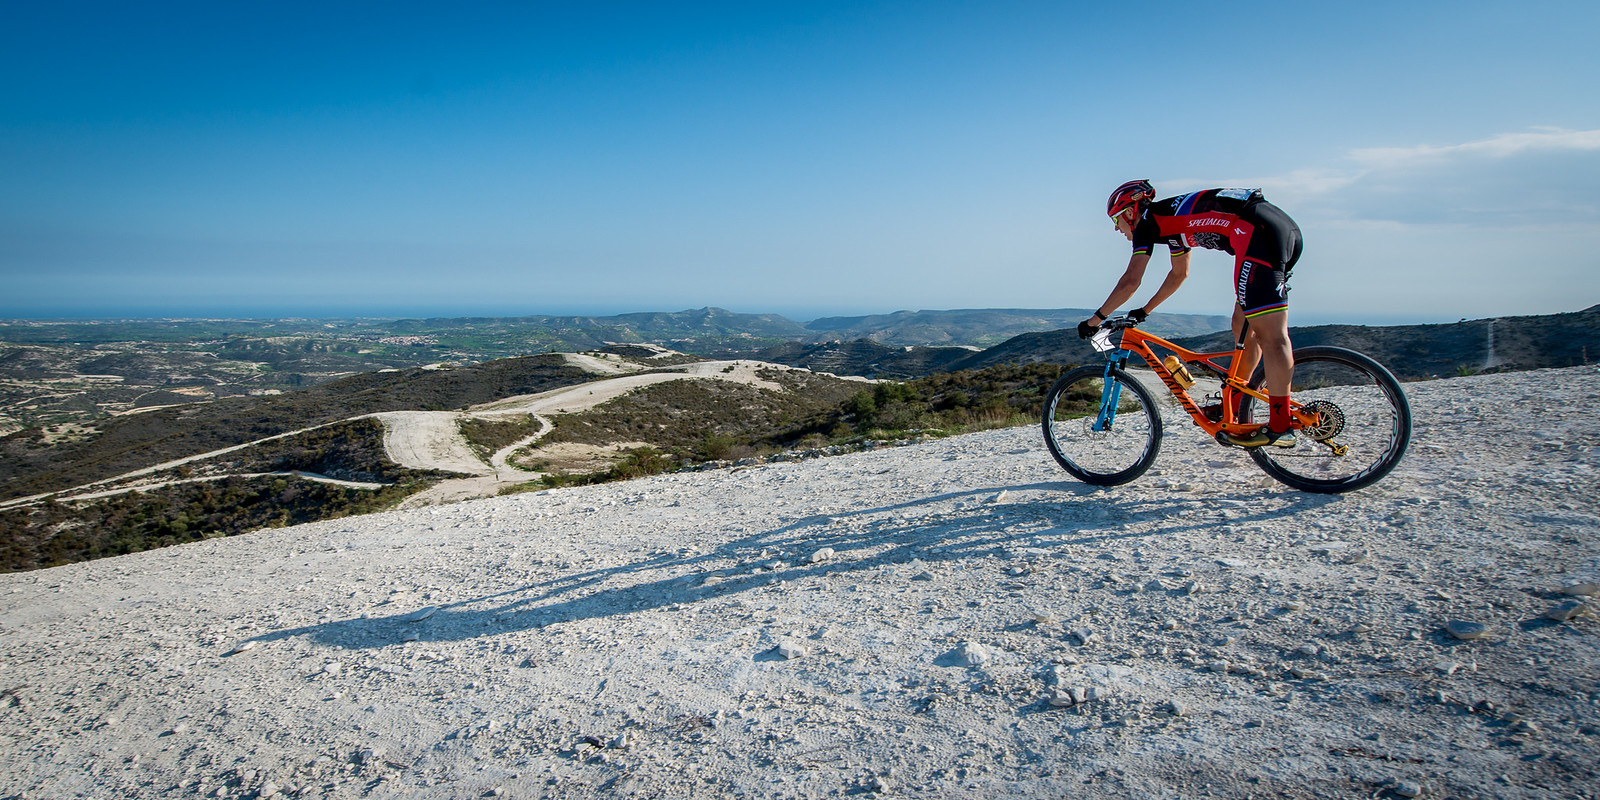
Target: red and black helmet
point(1129, 195)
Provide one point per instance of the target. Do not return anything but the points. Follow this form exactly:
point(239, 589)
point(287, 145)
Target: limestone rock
point(421, 614)
point(1565, 611)
point(973, 654)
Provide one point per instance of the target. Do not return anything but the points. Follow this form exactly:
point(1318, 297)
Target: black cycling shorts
point(1261, 272)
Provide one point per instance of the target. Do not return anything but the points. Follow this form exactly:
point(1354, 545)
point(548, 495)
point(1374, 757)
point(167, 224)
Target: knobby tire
point(1101, 458)
point(1373, 416)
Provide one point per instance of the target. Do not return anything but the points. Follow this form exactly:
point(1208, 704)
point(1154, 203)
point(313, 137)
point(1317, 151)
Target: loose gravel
point(956, 618)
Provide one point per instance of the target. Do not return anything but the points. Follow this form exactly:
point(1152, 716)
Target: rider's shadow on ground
point(861, 540)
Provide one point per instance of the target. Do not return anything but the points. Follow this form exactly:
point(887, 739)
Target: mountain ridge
point(1411, 352)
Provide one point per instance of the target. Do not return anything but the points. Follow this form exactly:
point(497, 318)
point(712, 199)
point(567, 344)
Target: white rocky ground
point(949, 619)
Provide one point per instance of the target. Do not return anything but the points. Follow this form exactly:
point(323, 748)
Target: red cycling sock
point(1278, 414)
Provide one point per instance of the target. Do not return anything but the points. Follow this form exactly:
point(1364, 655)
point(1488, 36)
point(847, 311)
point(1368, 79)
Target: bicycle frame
point(1136, 342)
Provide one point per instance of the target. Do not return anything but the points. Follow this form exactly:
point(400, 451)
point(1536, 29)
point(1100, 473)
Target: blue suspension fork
point(1110, 392)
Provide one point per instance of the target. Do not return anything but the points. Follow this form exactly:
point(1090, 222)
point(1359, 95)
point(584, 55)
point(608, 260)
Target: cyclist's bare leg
point(1270, 338)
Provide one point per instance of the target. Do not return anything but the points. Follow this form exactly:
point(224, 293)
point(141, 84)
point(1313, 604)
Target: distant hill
point(985, 327)
point(715, 330)
point(870, 359)
point(865, 357)
point(1413, 352)
point(872, 352)
point(682, 330)
point(1044, 347)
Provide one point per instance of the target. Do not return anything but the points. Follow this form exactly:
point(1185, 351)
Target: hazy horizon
point(800, 316)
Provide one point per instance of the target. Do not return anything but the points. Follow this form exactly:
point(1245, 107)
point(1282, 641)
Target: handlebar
point(1118, 323)
point(1102, 340)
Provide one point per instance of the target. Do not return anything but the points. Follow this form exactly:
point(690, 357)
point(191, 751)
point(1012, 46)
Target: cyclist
point(1265, 244)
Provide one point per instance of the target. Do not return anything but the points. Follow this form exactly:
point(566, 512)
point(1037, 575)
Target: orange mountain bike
point(1352, 420)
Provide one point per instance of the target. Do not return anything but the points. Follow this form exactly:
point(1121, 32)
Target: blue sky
point(212, 159)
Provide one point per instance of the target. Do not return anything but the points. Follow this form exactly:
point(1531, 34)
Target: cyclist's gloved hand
point(1086, 329)
point(1138, 315)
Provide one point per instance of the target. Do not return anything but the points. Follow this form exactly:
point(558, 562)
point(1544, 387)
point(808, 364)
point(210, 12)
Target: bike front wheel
point(1104, 449)
point(1363, 423)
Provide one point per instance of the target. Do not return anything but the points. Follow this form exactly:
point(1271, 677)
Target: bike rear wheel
point(1363, 422)
point(1121, 451)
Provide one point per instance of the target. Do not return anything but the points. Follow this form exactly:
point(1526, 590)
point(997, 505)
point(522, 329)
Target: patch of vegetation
point(54, 533)
point(695, 422)
point(638, 463)
point(942, 405)
point(488, 437)
point(702, 420)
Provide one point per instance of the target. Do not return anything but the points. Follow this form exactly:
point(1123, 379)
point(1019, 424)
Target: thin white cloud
point(1503, 146)
point(1545, 176)
point(1300, 185)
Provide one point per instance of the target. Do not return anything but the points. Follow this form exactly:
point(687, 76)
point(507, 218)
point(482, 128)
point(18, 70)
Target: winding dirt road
point(433, 440)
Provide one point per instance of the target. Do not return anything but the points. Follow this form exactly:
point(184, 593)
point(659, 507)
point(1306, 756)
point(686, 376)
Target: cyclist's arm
point(1175, 278)
point(1126, 285)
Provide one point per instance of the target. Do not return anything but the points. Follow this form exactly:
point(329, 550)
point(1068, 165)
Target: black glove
point(1138, 315)
point(1087, 329)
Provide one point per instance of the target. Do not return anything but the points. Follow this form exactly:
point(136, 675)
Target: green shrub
point(716, 446)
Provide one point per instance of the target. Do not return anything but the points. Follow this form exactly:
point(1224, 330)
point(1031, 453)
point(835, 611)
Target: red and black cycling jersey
point(1264, 241)
point(1216, 219)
